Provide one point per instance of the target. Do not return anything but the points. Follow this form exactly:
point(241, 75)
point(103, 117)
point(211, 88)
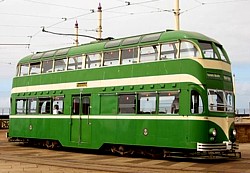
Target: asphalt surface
point(15, 157)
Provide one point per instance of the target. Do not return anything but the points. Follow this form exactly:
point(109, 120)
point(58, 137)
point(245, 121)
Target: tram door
point(80, 126)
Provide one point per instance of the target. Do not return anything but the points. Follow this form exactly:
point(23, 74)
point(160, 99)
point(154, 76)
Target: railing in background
point(242, 111)
point(4, 111)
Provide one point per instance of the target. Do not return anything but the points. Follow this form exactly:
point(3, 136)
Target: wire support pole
point(99, 28)
point(177, 15)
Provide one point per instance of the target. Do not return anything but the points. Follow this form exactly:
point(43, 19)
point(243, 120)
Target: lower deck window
point(196, 103)
point(58, 105)
point(147, 103)
point(219, 100)
point(21, 106)
point(169, 102)
point(32, 104)
point(127, 103)
point(44, 106)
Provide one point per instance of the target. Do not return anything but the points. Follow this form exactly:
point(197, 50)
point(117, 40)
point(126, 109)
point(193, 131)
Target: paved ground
point(16, 158)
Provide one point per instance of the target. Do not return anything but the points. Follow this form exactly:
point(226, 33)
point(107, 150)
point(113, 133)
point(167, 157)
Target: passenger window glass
point(129, 56)
point(47, 66)
point(229, 101)
point(58, 105)
point(216, 100)
point(93, 60)
point(127, 104)
point(222, 55)
point(18, 70)
point(169, 51)
point(208, 50)
point(60, 64)
point(75, 63)
point(35, 68)
point(24, 70)
point(187, 49)
point(32, 103)
point(76, 106)
point(21, 106)
point(44, 106)
point(85, 105)
point(149, 53)
point(169, 103)
point(147, 103)
point(111, 58)
point(196, 103)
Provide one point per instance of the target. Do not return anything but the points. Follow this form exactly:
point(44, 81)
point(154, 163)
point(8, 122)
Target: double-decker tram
point(152, 93)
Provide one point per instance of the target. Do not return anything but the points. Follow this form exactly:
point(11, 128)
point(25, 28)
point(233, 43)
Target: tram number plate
point(4, 124)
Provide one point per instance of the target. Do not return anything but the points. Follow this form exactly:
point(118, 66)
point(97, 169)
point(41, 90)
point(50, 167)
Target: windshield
point(213, 51)
point(219, 100)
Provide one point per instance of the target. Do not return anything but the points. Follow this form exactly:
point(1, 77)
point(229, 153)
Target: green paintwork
point(93, 133)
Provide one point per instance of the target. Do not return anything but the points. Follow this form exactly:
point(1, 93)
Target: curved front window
point(179, 49)
point(219, 100)
point(187, 49)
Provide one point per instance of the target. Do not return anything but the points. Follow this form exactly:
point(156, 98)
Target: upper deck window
point(111, 58)
point(149, 53)
point(37, 56)
point(75, 63)
point(60, 64)
point(35, 68)
point(93, 60)
point(129, 56)
point(169, 51)
point(151, 37)
point(49, 54)
point(47, 66)
point(187, 49)
point(132, 40)
point(113, 43)
point(221, 53)
point(208, 50)
point(24, 69)
point(62, 52)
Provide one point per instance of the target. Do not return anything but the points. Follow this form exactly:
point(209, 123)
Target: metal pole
point(77, 32)
point(177, 15)
point(249, 109)
point(99, 29)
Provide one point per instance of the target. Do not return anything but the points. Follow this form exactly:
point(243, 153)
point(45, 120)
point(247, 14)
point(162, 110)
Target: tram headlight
point(234, 133)
point(213, 132)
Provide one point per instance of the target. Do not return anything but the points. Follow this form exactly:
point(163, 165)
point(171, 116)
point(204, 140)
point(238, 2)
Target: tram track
point(78, 161)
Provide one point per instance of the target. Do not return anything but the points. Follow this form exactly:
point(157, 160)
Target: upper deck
point(105, 45)
point(155, 54)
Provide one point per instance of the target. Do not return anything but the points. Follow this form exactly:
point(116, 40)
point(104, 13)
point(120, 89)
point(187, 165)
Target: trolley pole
point(177, 15)
point(99, 29)
point(77, 33)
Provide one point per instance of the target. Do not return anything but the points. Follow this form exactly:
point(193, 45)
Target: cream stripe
point(213, 64)
point(112, 82)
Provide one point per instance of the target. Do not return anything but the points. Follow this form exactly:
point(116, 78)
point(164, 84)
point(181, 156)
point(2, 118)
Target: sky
point(227, 21)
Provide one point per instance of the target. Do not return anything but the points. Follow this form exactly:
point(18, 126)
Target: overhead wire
point(201, 3)
point(57, 5)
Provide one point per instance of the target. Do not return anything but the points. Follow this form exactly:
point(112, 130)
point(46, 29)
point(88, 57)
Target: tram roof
point(98, 46)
